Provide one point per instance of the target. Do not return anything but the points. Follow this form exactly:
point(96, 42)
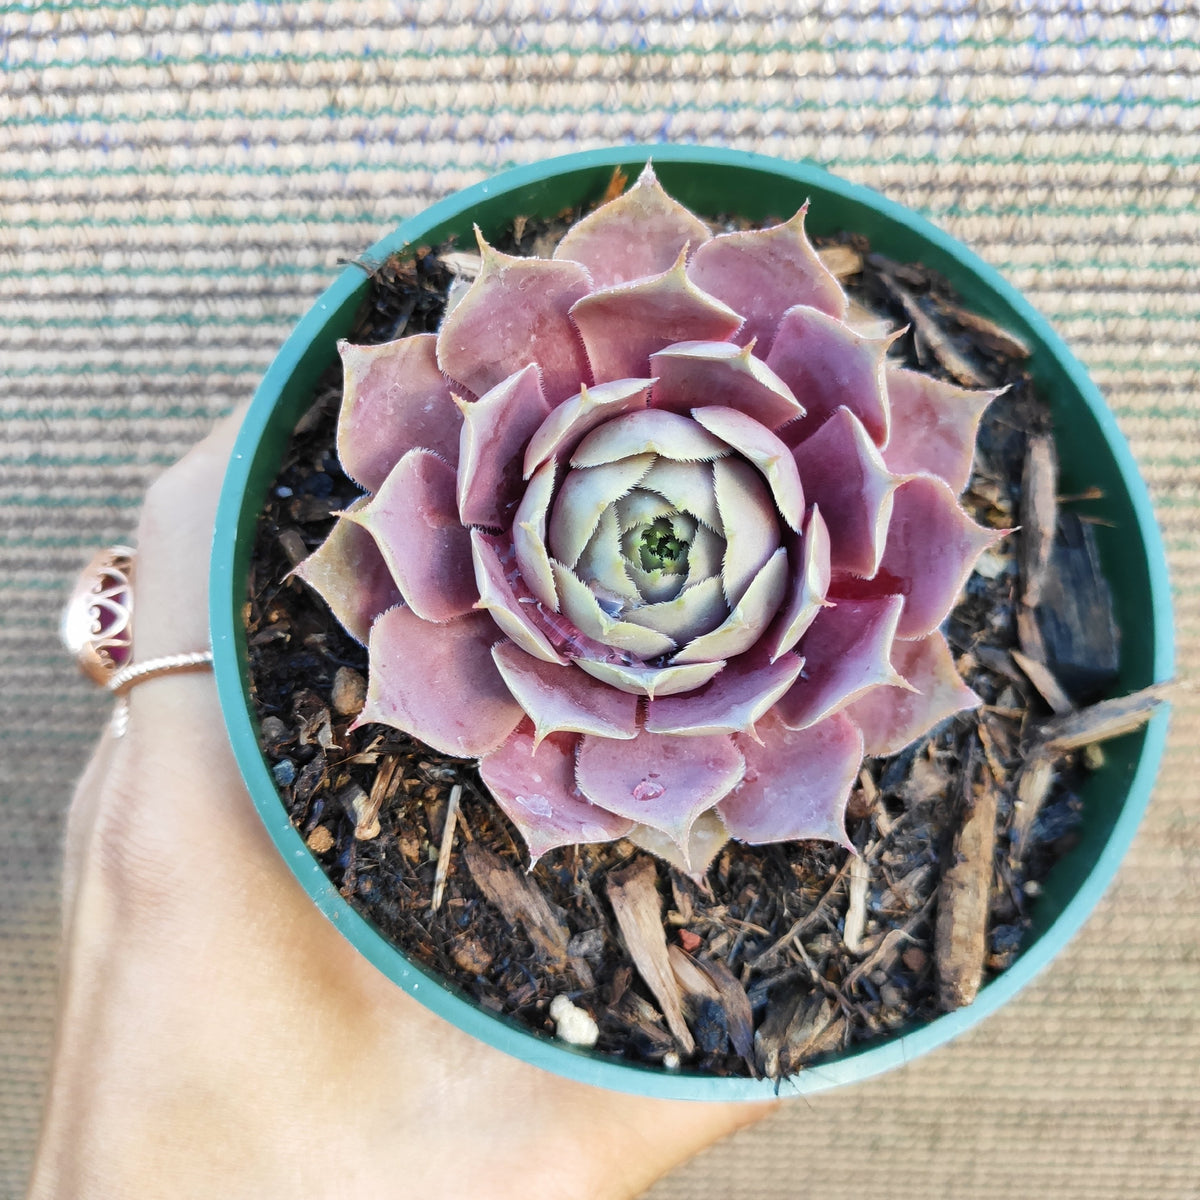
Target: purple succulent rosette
point(655, 534)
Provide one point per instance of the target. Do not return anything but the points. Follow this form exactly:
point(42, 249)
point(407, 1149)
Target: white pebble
point(573, 1024)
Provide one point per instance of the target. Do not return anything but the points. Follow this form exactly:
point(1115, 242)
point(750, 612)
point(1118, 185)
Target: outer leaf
point(932, 546)
point(692, 375)
point(892, 717)
point(704, 843)
point(394, 400)
point(639, 233)
point(808, 560)
point(761, 273)
point(534, 783)
point(732, 703)
point(495, 431)
point(846, 478)
point(663, 782)
point(420, 673)
point(622, 326)
point(502, 593)
point(414, 520)
point(848, 651)
point(564, 699)
point(348, 572)
point(516, 314)
point(829, 366)
point(933, 426)
point(797, 782)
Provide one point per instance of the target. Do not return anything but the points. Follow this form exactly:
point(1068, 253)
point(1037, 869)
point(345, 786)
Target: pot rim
point(296, 358)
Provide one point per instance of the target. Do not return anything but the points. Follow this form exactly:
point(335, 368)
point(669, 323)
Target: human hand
point(218, 1038)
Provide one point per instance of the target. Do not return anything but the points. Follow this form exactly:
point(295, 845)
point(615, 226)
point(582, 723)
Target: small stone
point(284, 772)
point(586, 943)
point(671, 1061)
point(320, 841)
point(572, 1024)
point(471, 955)
point(891, 995)
point(349, 692)
point(914, 958)
point(689, 941)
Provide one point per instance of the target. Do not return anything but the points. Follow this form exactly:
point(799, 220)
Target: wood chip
point(1039, 515)
point(960, 936)
point(856, 914)
point(1043, 679)
point(738, 1015)
point(443, 862)
point(1033, 786)
point(521, 902)
point(633, 893)
point(1108, 719)
point(988, 331)
point(788, 1034)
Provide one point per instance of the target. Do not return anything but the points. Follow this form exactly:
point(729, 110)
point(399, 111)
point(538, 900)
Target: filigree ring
point(97, 628)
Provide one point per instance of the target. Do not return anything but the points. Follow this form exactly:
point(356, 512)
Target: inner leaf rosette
point(654, 534)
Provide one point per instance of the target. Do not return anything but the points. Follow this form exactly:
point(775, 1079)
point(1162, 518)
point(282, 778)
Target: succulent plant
point(654, 533)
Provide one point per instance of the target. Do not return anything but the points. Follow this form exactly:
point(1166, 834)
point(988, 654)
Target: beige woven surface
point(178, 182)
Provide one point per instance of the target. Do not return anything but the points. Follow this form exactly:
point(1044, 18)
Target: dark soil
point(775, 916)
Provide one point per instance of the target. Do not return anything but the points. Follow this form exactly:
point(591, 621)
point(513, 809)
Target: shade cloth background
point(179, 181)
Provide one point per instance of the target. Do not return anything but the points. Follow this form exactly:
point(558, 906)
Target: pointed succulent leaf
point(751, 524)
point(584, 494)
point(761, 273)
point(641, 232)
point(847, 651)
point(642, 507)
point(651, 431)
point(414, 520)
point(750, 616)
point(656, 586)
point(495, 430)
point(529, 536)
point(688, 487)
point(602, 565)
point(663, 782)
point(845, 476)
point(761, 447)
point(827, 365)
point(808, 560)
point(640, 680)
point(580, 605)
point(564, 699)
point(732, 703)
point(933, 426)
point(892, 717)
point(514, 314)
point(533, 781)
point(705, 555)
point(622, 326)
point(394, 399)
point(704, 843)
point(503, 595)
point(695, 610)
point(931, 547)
point(797, 782)
point(350, 574)
point(565, 427)
point(691, 375)
point(420, 673)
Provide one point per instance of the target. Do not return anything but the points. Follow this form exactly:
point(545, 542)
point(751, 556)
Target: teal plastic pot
point(1092, 453)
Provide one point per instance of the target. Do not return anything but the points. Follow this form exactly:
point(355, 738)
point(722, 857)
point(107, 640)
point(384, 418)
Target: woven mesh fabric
point(178, 182)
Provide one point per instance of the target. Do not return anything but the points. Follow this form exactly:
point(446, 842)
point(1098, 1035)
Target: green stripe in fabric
point(616, 49)
point(799, 104)
point(87, 501)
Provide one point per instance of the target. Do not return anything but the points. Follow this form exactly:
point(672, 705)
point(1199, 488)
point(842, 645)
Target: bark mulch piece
point(784, 953)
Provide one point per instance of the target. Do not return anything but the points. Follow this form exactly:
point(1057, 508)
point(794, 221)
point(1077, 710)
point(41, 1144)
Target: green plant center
point(661, 549)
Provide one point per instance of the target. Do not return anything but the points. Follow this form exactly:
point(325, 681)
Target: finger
point(174, 542)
